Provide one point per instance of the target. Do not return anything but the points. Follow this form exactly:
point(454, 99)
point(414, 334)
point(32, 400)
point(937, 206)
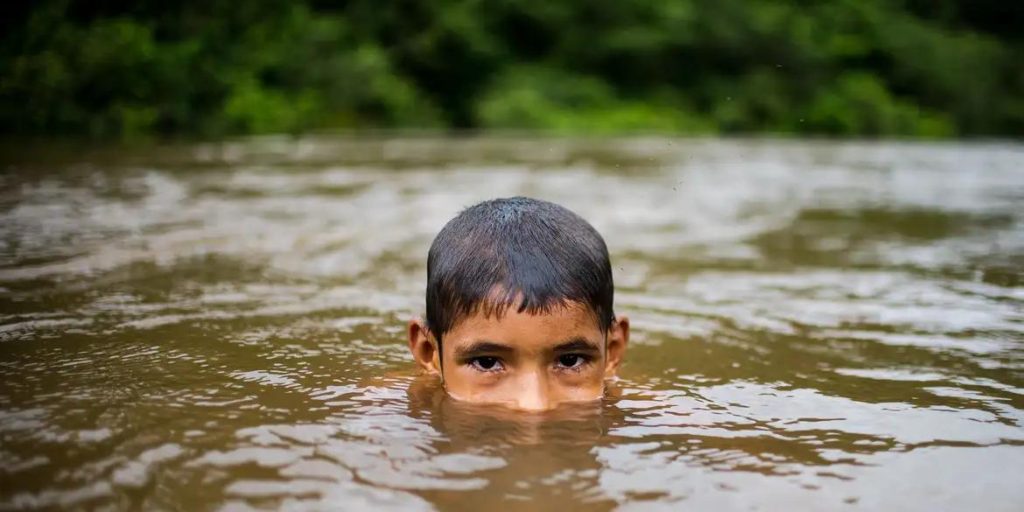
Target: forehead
point(527, 330)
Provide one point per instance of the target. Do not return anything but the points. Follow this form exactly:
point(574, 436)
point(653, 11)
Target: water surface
point(817, 326)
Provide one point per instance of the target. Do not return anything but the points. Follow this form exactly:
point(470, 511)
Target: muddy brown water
point(219, 326)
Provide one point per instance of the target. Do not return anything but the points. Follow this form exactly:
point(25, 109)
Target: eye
point(571, 361)
point(486, 364)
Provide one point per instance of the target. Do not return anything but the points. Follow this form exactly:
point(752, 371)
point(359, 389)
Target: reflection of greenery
point(844, 67)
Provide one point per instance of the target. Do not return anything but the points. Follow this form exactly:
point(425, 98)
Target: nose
point(533, 393)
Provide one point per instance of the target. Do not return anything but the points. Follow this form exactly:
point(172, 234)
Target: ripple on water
point(219, 326)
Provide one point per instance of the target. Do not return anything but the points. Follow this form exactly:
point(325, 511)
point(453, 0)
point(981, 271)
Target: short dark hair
point(516, 252)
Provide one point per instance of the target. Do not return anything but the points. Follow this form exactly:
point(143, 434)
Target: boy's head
point(519, 307)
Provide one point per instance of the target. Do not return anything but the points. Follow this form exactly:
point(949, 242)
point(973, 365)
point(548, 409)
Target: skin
point(528, 362)
point(468, 425)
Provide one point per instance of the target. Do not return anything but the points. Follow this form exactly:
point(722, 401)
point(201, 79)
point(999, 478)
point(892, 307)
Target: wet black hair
point(516, 252)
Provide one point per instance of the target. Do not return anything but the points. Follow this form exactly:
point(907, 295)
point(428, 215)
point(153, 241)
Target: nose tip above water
point(534, 405)
point(534, 396)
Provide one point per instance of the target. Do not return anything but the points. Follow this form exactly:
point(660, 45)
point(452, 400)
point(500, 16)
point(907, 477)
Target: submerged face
point(525, 361)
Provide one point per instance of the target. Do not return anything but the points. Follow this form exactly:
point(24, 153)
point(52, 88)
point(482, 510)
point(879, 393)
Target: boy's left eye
point(571, 361)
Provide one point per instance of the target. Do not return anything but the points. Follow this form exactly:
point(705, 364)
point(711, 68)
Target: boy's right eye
point(486, 364)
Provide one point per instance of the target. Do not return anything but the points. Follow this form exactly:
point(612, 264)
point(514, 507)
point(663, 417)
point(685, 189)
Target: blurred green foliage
point(105, 68)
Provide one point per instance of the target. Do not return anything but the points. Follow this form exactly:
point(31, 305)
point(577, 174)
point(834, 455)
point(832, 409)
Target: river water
point(220, 326)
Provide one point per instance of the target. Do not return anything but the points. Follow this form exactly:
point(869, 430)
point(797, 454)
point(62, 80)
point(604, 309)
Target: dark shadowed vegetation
point(121, 68)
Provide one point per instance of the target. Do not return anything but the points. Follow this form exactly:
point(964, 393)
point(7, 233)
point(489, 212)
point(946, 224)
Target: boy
point(519, 307)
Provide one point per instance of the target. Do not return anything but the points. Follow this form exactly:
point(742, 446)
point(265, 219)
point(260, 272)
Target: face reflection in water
point(543, 444)
point(530, 362)
point(498, 426)
point(813, 326)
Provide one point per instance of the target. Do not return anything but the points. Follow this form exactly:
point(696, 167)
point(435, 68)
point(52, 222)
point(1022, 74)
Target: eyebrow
point(578, 344)
point(480, 348)
point(484, 347)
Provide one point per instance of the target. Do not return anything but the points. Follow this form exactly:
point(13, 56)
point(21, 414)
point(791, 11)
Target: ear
point(618, 339)
point(424, 347)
